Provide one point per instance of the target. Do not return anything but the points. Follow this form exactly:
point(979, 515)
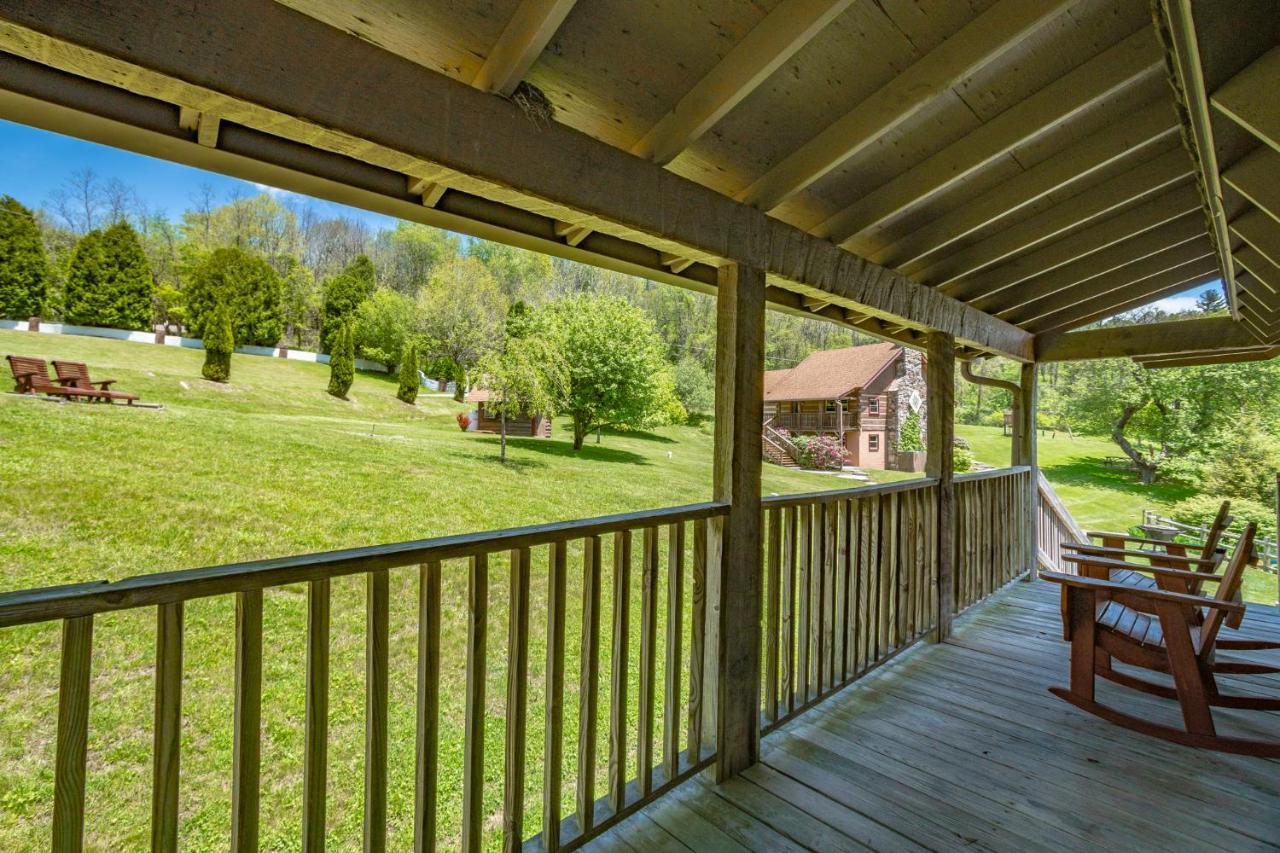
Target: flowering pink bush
point(464, 421)
point(819, 451)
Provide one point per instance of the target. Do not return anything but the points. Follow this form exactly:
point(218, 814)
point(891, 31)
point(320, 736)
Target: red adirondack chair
point(31, 376)
point(75, 374)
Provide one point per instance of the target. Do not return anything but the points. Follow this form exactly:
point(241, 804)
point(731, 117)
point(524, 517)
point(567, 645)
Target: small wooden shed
point(487, 420)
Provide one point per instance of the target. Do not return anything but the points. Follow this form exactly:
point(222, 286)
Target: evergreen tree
point(219, 343)
point(109, 283)
point(408, 390)
point(342, 296)
point(248, 287)
point(24, 269)
point(342, 362)
point(1211, 300)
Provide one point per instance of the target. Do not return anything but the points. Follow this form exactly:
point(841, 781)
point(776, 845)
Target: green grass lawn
point(270, 465)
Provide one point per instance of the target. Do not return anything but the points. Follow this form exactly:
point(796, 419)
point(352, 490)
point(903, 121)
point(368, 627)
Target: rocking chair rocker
point(1164, 631)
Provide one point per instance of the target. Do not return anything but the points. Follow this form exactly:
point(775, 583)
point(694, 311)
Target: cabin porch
point(959, 745)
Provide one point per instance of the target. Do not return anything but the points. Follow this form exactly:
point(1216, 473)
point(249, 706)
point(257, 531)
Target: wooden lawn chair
point(75, 374)
point(31, 376)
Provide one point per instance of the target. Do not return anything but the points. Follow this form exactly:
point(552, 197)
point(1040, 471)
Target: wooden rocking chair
point(1155, 629)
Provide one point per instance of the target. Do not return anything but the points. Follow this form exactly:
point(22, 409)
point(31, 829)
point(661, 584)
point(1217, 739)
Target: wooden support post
point(940, 431)
point(732, 680)
point(1027, 456)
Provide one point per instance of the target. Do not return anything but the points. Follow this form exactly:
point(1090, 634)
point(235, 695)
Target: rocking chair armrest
point(102, 383)
point(1125, 537)
point(1107, 563)
point(1080, 582)
point(1103, 551)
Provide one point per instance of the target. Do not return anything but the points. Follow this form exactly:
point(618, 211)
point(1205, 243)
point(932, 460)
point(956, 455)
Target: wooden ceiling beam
point(1177, 31)
point(1136, 201)
point(984, 39)
point(1154, 272)
point(1256, 176)
point(1122, 300)
point(1206, 334)
point(1260, 267)
point(1096, 250)
point(1069, 276)
point(1149, 126)
point(397, 117)
point(1115, 69)
point(1259, 231)
point(790, 26)
point(1261, 353)
point(1249, 98)
point(531, 27)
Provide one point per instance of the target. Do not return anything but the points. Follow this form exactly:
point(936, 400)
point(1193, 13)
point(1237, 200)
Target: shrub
point(910, 438)
point(408, 390)
point(818, 451)
point(384, 324)
point(342, 296)
point(249, 288)
point(694, 386)
point(342, 362)
point(995, 418)
point(219, 342)
point(962, 460)
point(24, 269)
point(109, 281)
point(961, 443)
point(1201, 509)
point(1245, 464)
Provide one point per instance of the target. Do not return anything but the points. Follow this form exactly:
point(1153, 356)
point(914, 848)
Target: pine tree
point(342, 296)
point(1211, 300)
point(342, 362)
point(247, 285)
point(219, 343)
point(408, 390)
point(109, 283)
point(24, 269)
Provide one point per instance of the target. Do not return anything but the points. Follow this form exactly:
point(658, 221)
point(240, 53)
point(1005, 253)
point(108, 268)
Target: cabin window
point(831, 405)
point(873, 443)
point(873, 406)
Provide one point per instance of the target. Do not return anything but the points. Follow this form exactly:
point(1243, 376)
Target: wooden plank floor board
point(960, 746)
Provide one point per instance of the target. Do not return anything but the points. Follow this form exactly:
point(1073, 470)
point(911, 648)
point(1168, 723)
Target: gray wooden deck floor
point(960, 745)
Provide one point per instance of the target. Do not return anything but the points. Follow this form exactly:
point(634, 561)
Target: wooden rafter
point(1263, 269)
point(1142, 183)
point(1178, 31)
point(1249, 98)
point(1098, 79)
point(1206, 334)
point(989, 286)
point(1077, 163)
point(525, 36)
point(1062, 280)
point(1261, 353)
point(1257, 177)
point(789, 27)
point(983, 40)
point(1119, 301)
point(1260, 232)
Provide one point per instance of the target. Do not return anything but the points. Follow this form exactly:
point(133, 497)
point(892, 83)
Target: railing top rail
point(970, 476)
point(855, 492)
point(83, 599)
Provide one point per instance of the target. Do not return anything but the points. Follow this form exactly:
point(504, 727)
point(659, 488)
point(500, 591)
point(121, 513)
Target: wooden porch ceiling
point(960, 745)
point(995, 169)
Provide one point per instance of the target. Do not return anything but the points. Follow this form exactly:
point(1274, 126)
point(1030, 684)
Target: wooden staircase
point(777, 449)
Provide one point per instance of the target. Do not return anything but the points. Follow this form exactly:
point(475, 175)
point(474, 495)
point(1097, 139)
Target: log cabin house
point(977, 179)
point(860, 395)
point(484, 419)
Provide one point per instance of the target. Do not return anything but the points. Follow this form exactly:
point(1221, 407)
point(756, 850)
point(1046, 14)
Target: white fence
point(178, 341)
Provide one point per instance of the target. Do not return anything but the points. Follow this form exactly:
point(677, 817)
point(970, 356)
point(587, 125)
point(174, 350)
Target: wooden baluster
point(473, 725)
point(553, 744)
point(427, 754)
point(247, 727)
point(168, 728)
point(73, 735)
point(618, 667)
point(787, 614)
point(831, 573)
point(817, 619)
point(517, 701)
point(873, 580)
point(697, 633)
point(675, 638)
point(316, 757)
point(844, 564)
point(648, 659)
point(888, 565)
point(773, 568)
point(377, 604)
point(589, 684)
point(852, 527)
point(806, 595)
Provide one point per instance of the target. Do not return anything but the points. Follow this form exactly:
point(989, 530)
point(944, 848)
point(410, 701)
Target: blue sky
point(38, 161)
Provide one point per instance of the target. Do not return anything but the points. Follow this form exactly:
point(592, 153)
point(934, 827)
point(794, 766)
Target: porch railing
point(812, 421)
point(1055, 526)
point(671, 543)
point(849, 581)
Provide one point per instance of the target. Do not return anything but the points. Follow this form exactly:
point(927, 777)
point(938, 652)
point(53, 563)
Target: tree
point(520, 274)
point(460, 314)
point(24, 267)
point(910, 438)
point(1210, 301)
point(247, 286)
point(694, 386)
point(219, 343)
point(300, 300)
point(407, 391)
point(342, 296)
point(109, 282)
point(342, 362)
point(383, 325)
point(1245, 464)
point(406, 255)
point(527, 375)
point(614, 360)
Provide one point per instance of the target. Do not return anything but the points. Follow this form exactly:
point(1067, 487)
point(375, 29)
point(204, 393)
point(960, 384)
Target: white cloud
point(275, 191)
point(1174, 304)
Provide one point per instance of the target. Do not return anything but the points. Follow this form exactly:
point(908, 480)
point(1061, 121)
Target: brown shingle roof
point(829, 374)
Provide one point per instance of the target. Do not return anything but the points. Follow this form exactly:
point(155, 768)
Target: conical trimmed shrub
point(408, 390)
point(219, 343)
point(342, 362)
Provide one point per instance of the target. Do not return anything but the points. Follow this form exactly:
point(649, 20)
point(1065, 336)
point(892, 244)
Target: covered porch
point(958, 745)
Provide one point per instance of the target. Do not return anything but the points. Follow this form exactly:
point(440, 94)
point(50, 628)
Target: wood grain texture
point(315, 762)
point(648, 659)
point(589, 683)
point(553, 731)
point(377, 610)
point(427, 711)
point(168, 728)
point(247, 723)
point(517, 702)
point(473, 724)
point(73, 735)
point(674, 663)
point(940, 430)
point(619, 665)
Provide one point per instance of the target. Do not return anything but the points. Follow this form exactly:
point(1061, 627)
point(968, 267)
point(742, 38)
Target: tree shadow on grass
point(1086, 471)
point(639, 434)
point(562, 449)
